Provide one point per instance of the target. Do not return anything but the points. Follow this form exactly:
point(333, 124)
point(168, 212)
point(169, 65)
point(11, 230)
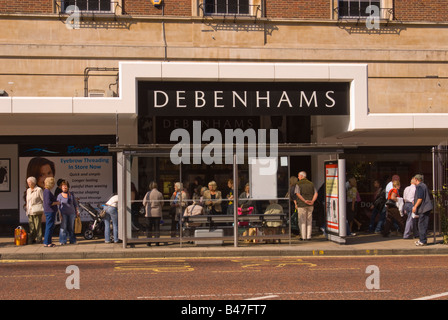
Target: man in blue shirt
point(422, 208)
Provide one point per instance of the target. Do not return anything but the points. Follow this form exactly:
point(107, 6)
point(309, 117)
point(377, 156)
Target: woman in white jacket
point(34, 210)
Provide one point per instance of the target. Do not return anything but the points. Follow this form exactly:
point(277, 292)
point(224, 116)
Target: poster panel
point(335, 197)
point(90, 177)
point(332, 196)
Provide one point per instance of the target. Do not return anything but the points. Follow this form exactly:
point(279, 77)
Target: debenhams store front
point(205, 124)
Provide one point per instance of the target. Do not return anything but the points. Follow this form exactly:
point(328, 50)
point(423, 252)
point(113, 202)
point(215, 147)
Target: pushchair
point(96, 226)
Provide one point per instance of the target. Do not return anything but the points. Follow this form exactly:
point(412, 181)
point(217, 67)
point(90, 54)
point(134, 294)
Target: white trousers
point(305, 215)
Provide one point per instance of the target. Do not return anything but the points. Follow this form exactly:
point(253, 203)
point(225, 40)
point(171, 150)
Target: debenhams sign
point(243, 98)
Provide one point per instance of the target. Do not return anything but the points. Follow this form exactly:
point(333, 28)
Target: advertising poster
point(335, 200)
point(332, 196)
point(90, 176)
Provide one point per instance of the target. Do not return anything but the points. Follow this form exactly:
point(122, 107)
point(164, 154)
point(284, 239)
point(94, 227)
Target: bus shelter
point(264, 214)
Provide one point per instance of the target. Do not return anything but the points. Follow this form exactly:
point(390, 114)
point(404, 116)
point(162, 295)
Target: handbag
point(102, 213)
point(57, 218)
point(37, 208)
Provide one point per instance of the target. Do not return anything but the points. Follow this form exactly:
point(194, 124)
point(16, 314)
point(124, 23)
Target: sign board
point(335, 198)
point(88, 169)
point(173, 98)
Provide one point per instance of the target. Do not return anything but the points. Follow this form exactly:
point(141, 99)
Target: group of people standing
point(409, 213)
point(44, 202)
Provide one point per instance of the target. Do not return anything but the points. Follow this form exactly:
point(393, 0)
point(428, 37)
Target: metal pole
point(289, 200)
point(235, 202)
point(124, 201)
point(434, 189)
point(181, 201)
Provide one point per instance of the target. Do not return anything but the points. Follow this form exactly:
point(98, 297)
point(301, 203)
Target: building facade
point(75, 74)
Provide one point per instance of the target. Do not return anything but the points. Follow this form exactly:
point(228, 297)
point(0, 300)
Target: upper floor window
point(356, 8)
point(88, 5)
point(226, 7)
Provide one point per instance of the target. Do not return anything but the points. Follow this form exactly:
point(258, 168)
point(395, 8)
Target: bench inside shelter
point(258, 221)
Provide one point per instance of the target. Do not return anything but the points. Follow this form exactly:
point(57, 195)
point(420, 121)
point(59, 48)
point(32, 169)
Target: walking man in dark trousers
point(422, 208)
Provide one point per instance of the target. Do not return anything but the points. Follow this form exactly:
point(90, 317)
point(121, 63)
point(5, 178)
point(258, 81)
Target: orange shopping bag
point(20, 236)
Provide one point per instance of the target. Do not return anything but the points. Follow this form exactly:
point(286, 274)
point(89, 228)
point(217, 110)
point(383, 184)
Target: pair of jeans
point(375, 212)
point(423, 221)
point(67, 228)
point(49, 226)
point(111, 214)
point(382, 220)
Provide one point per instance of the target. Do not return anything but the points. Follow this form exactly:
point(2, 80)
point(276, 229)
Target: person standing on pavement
point(68, 206)
point(50, 209)
point(34, 210)
point(153, 202)
point(411, 223)
point(111, 208)
point(422, 208)
point(306, 196)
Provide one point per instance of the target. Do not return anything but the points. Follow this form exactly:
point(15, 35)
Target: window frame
point(216, 8)
point(361, 12)
point(112, 3)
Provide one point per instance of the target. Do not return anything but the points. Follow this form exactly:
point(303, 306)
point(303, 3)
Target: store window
point(374, 163)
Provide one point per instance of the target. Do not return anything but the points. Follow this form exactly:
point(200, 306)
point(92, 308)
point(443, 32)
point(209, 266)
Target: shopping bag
point(20, 236)
point(78, 225)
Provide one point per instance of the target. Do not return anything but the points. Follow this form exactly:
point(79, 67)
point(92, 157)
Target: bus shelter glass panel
point(156, 200)
point(190, 204)
point(263, 200)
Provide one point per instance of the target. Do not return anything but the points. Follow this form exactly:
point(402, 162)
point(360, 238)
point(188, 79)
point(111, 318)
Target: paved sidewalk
point(361, 245)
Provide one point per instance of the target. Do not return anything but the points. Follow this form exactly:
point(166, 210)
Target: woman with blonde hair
point(50, 209)
point(178, 203)
point(213, 198)
point(34, 210)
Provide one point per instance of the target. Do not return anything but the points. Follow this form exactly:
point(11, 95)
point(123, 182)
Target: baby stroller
point(95, 227)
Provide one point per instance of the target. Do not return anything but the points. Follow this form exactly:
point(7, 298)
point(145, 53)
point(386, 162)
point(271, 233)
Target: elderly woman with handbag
point(34, 210)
